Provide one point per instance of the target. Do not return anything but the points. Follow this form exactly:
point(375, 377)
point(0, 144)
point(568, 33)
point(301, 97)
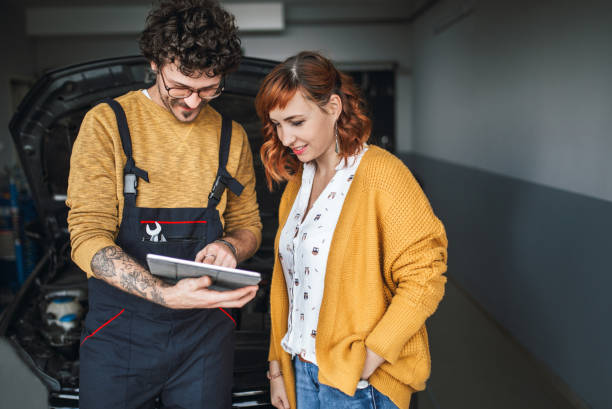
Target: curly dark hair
point(198, 35)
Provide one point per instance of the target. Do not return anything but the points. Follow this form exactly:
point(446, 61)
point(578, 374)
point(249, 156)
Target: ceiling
point(380, 3)
point(296, 11)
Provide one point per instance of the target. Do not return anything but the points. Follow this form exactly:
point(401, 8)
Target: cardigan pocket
point(414, 363)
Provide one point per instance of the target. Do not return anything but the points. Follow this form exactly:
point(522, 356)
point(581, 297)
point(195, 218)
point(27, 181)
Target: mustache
point(183, 105)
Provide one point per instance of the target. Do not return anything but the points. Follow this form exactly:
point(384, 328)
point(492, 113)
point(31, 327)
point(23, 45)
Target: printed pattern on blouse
point(303, 250)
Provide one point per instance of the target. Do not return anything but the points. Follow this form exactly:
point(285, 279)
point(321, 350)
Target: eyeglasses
point(204, 93)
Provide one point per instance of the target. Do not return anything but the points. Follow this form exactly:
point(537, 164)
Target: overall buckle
point(130, 183)
point(217, 189)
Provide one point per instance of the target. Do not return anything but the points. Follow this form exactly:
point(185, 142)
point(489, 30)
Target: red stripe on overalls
point(160, 222)
point(230, 317)
point(102, 326)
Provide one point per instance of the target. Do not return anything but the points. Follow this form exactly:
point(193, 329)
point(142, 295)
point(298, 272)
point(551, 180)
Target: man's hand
point(115, 267)
point(194, 293)
point(372, 362)
point(217, 253)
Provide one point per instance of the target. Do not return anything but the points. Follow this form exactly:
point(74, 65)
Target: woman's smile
point(298, 150)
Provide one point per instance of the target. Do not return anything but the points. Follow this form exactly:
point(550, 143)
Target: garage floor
point(476, 365)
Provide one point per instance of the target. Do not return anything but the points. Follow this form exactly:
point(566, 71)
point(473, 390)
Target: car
point(40, 330)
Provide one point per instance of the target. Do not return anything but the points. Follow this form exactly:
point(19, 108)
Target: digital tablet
point(223, 278)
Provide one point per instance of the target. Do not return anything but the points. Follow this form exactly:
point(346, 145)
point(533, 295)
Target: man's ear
point(154, 67)
point(334, 106)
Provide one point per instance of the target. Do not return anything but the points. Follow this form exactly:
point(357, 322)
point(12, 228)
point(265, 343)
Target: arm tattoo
point(115, 267)
point(102, 264)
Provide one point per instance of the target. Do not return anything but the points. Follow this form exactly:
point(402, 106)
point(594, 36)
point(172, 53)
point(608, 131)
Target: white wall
point(344, 43)
point(17, 62)
point(349, 43)
point(522, 88)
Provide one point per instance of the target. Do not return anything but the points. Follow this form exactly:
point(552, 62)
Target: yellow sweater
point(181, 159)
point(383, 279)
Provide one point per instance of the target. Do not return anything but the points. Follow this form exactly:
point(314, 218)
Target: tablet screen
point(223, 278)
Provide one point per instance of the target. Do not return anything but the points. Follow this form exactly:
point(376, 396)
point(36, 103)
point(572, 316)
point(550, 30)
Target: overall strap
point(131, 173)
point(224, 179)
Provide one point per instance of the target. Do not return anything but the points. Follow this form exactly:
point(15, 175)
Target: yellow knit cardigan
point(383, 279)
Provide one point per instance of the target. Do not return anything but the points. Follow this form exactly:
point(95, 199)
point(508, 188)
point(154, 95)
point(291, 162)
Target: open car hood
point(48, 119)
point(44, 129)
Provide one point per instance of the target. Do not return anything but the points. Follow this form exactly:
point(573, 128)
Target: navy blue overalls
point(134, 351)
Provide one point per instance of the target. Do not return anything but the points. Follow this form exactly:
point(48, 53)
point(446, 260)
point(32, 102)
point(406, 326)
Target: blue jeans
point(314, 395)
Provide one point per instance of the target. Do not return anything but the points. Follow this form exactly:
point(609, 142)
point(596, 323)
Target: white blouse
point(303, 249)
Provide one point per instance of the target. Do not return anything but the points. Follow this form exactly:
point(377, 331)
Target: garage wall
point(350, 43)
point(521, 88)
point(367, 44)
point(512, 119)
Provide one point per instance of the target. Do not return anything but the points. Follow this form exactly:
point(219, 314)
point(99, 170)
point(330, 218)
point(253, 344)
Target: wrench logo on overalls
point(155, 234)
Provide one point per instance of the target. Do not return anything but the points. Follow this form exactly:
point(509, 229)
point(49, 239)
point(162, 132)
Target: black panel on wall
point(378, 88)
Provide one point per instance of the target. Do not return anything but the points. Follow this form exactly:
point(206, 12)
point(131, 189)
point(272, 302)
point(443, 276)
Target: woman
point(360, 252)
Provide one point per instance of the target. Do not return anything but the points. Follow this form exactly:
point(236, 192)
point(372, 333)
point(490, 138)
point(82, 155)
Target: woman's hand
point(278, 394)
point(372, 361)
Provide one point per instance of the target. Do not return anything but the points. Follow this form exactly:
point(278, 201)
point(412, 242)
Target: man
point(149, 173)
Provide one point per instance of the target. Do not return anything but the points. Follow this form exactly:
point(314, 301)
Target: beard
point(175, 106)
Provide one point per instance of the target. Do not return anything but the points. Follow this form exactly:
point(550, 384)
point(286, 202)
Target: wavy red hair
point(317, 79)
